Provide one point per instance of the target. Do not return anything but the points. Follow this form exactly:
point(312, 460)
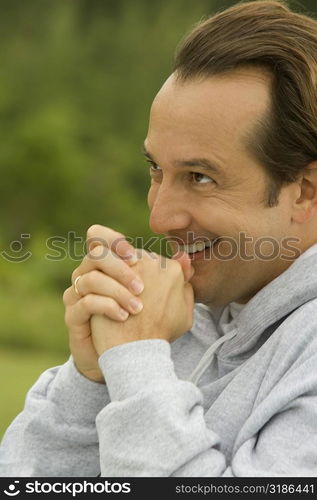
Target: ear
point(305, 206)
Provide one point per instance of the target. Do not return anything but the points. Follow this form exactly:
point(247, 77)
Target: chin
point(201, 297)
point(204, 295)
point(199, 289)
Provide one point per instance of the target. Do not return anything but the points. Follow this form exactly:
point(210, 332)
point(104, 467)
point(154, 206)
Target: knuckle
point(119, 292)
point(66, 295)
point(93, 230)
point(95, 236)
point(98, 252)
point(88, 282)
point(85, 262)
point(110, 302)
point(96, 230)
point(126, 276)
point(74, 275)
point(87, 302)
point(92, 277)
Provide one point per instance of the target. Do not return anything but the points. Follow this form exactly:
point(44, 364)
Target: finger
point(184, 260)
point(103, 259)
point(105, 236)
point(97, 283)
point(70, 296)
point(81, 312)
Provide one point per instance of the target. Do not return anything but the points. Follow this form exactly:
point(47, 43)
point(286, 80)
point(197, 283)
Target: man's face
point(206, 120)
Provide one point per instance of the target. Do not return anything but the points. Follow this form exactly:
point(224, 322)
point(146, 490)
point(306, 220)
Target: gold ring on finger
point(75, 285)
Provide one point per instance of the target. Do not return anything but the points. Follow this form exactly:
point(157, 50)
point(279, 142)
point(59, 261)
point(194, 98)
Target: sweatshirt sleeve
point(55, 434)
point(155, 426)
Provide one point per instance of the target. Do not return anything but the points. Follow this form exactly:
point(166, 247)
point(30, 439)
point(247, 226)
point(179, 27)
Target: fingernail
point(137, 286)
point(123, 313)
point(130, 257)
point(136, 305)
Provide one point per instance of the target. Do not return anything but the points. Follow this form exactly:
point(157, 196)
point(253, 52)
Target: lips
point(199, 244)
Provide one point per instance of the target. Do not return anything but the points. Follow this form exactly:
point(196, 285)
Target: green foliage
point(77, 81)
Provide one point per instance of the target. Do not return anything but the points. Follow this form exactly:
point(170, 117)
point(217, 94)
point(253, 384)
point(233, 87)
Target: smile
point(200, 246)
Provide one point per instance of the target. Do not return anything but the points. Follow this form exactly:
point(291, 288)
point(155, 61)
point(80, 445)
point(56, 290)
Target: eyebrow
point(202, 163)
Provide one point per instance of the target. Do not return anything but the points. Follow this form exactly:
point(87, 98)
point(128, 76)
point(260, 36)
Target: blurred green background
point(77, 81)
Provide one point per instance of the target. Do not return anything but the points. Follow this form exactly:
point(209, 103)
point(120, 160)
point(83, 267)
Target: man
point(228, 387)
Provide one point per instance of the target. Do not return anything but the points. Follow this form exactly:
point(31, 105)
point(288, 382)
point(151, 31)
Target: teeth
point(197, 247)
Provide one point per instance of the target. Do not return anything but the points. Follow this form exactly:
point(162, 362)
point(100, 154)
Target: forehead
point(212, 114)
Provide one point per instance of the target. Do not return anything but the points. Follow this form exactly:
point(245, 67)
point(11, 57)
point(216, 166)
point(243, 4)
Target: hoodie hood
point(260, 317)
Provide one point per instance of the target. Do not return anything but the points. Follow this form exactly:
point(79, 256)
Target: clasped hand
point(106, 290)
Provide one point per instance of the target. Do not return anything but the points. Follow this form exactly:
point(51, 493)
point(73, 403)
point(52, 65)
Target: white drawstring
point(208, 356)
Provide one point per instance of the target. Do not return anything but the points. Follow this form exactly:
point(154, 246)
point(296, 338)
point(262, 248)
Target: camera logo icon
point(12, 489)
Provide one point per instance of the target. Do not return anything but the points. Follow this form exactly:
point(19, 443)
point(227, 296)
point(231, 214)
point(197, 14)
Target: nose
point(169, 209)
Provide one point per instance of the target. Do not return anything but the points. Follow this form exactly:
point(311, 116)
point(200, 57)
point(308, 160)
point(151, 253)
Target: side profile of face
point(205, 184)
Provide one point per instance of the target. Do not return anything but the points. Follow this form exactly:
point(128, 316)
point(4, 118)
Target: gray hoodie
point(234, 396)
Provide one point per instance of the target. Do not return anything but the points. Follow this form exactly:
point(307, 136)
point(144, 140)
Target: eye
point(153, 167)
point(199, 178)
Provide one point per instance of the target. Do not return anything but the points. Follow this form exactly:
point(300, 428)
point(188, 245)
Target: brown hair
point(265, 34)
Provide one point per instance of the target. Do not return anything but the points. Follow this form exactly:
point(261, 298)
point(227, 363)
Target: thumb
point(184, 260)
